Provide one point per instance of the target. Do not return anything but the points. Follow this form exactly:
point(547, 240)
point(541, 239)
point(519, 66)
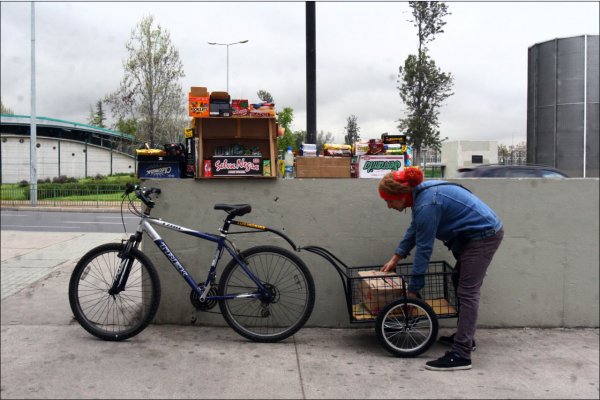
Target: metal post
point(59, 140)
point(33, 129)
point(227, 68)
point(227, 45)
point(86, 157)
point(311, 74)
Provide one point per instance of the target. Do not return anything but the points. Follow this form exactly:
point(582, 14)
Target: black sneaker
point(451, 361)
point(449, 340)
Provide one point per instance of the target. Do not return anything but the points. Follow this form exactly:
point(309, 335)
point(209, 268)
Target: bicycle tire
point(123, 315)
point(294, 294)
point(407, 327)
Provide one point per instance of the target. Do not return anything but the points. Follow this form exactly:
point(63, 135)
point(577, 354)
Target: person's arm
point(391, 265)
point(427, 223)
point(403, 249)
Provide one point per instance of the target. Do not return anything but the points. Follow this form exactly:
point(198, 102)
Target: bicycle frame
point(145, 225)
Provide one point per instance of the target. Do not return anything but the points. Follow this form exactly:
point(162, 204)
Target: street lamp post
point(227, 44)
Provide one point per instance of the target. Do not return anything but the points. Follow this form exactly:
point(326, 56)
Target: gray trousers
point(471, 266)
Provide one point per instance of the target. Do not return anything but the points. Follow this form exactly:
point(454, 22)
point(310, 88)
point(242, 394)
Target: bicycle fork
point(120, 279)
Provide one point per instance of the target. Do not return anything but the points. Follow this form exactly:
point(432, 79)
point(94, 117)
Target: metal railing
point(98, 196)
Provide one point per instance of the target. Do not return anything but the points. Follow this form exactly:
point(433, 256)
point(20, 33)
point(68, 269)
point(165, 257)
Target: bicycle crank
point(203, 305)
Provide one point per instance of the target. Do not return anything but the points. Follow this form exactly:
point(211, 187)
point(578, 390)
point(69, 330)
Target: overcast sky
point(80, 47)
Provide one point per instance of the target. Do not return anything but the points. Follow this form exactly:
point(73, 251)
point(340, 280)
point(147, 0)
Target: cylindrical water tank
point(563, 105)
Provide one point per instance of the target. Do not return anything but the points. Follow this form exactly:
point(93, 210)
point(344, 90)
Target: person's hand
point(391, 265)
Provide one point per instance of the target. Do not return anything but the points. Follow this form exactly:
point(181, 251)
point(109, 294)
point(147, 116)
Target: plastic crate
point(370, 294)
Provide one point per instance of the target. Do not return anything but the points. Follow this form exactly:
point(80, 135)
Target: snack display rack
point(259, 133)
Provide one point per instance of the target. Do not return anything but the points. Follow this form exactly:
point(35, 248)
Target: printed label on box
point(378, 166)
point(232, 166)
point(159, 170)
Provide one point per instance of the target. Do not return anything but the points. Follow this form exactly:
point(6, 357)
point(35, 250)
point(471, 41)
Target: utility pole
point(33, 128)
point(311, 74)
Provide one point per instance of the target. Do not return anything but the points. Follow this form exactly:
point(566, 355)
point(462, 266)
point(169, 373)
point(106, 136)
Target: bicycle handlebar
point(142, 193)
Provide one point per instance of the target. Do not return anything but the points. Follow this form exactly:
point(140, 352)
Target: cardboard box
point(239, 107)
point(237, 166)
point(322, 167)
point(378, 166)
point(379, 291)
point(159, 167)
point(198, 102)
point(220, 104)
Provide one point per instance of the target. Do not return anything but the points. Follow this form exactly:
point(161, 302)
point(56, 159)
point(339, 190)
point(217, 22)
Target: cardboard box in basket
point(379, 291)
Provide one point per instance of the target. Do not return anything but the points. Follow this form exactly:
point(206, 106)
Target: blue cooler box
point(155, 167)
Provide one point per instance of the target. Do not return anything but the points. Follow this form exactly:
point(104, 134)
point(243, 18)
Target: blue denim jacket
point(444, 212)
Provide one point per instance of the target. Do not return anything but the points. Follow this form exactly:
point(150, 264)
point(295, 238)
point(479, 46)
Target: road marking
point(35, 226)
point(118, 217)
point(92, 222)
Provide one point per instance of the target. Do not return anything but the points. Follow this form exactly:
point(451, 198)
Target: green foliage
point(4, 109)
point(150, 93)
point(423, 86)
point(127, 125)
point(352, 130)
point(69, 188)
point(97, 117)
point(263, 95)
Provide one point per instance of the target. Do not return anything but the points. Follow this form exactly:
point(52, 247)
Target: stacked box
point(379, 291)
point(323, 167)
point(198, 102)
point(159, 167)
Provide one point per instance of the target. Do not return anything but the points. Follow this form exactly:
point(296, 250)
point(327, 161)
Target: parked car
point(511, 171)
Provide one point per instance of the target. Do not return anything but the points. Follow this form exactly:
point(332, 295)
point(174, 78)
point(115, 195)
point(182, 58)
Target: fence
point(88, 196)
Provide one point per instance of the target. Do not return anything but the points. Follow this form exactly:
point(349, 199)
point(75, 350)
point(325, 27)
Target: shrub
point(23, 183)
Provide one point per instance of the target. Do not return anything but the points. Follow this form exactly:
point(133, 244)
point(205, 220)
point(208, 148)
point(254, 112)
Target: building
point(62, 148)
point(466, 153)
point(563, 105)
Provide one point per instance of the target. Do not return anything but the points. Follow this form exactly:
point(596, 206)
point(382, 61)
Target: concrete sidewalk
point(45, 354)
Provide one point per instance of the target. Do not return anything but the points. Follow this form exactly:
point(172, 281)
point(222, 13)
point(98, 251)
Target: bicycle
point(265, 293)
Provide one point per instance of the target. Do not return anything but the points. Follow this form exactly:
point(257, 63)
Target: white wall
point(545, 273)
point(15, 159)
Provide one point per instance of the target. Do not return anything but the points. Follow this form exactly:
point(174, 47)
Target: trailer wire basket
point(368, 291)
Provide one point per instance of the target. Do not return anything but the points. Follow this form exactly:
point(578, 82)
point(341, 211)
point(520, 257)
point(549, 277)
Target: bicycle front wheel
point(291, 285)
point(407, 327)
point(122, 315)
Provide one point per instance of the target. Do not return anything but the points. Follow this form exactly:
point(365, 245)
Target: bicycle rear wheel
point(119, 316)
point(407, 327)
point(290, 282)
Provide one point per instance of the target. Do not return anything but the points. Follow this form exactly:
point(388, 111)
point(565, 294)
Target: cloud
point(80, 47)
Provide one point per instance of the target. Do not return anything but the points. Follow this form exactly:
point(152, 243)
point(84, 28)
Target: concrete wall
point(457, 154)
point(15, 159)
point(545, 273)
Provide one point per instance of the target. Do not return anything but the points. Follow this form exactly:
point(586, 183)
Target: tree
point(352, 130)
point(284, 119)
point(4, 109)
point(265, 96)
point(423, 86)
point(126, 125)
point(150, 93)
point(97, 118)
point(323, 138)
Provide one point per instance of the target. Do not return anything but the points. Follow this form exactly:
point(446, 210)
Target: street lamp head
point(211, 42)
point(244, 41)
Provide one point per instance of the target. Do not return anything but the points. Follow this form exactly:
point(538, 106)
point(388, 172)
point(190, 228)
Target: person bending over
point(467, 226)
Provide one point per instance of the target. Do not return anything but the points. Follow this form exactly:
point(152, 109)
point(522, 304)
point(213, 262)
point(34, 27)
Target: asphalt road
point(67, 221)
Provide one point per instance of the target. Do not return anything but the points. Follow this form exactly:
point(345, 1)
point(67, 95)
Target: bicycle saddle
point(234, 209)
